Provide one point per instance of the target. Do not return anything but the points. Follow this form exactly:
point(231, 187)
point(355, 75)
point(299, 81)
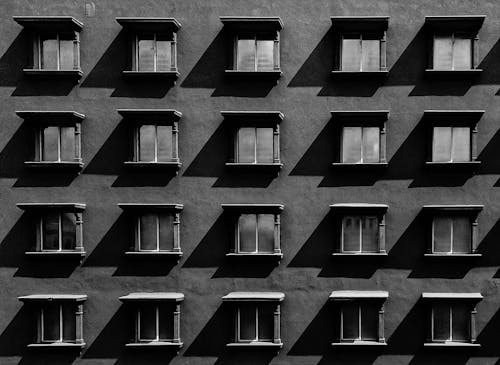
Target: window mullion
point(432, 324)
point(256, 323)
point(452, 57)
point(60, 232)
point(157, 324)
point(138, 234)
point(360, 234)
point(359, 322)
point(361, 57)
point(451, 234)
point(58, 51)
point(158, 232)
point(155, 52)
point(451, 324)
point(59, 141)
point(255, 147)
point(238, 325)
point(61, 325)
point(256, 233)
point(362, 146)
point(255, 54)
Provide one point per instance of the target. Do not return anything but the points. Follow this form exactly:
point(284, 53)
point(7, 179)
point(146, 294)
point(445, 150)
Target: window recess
point(55, 45)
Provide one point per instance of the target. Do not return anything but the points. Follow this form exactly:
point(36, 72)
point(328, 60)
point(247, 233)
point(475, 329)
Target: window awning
point(154, 115)
point(66, 207)
point(360, 23)
point(452, 296)
point(48, 116)
point(254, 296)
point(358, 207)
point(245, 116)
point(148, 207)
point(455, 22)
point(253, 208)
point(143, 297)
point(63, 23)
point(358, 294)
point(252, 23)
point(149, 24)
point(55, 297)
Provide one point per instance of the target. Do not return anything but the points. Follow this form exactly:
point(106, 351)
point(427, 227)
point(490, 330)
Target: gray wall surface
point(306, 185)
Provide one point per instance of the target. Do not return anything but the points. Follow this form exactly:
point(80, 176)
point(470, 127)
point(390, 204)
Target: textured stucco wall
point(306, 185)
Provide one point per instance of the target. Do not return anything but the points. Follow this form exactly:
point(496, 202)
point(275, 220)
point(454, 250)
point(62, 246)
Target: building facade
point(249, 182)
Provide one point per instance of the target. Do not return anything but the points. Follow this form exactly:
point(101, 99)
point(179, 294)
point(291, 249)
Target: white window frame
point(76, 50)
point(61, 326)
point(41, 142)
point(256, 37)
point(237, 145)
point(173, 54)
point(360, 319)
point(138, 232)
point(452, 34)
point(374, 35)
point(137, 142)
point(451, 145)
point(238, 328)
point(451, 236)
point(450, 329)
point(157, 325)
point(359, 217)
point(238, 249)
point(42, 233)
point(362, 147)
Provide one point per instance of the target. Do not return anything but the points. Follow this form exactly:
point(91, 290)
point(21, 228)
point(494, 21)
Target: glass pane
point(166, 232)
point(147, 315)
point(351, 54)
point(164, 133)
point(66, 54)
point(51, 322)
point(247, 226)
point(441, 144)
point(148, 231)
point(146, 54)
point(163, 54)
point(69, 322)
point(369, 322)
point(264, 145)
point(265, 51)
point(371, 142)
point(49, 53)
point(441, 314)
point(266, 232)
point(50, 144)
point(351, 234)
point(369, 230)
point(462, 235)
point(68, 221)
point(246, 55)
point(461, 144)
point(51, 232)
point(351, 144)
point(442, 234)
point(460, 322)
point(147, 135)
point(67, 143)
point(247, 322)
point(266, 322)
point(246, 145)
point(350, 321)
point(442, 52)
point(166, 322)
point(462, 53)
point(371, 55)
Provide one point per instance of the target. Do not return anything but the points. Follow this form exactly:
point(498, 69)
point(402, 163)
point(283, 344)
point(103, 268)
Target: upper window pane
point(350, 321)
point(266, 322)
point(265, 57)
point(351, 53)
point(146, 53)
point(50, 143)
point(461, 144)
point(66, 53)
point(147, 143)
point(369, 322)
point(441, 144)
point(351, 144)
point(147, 322)
point(443, 52)
point(351, 234)
point(163, 54)
point(247, 229)
point(371, 144)
point(50, 239)
point(166, 322)
point(462, 52)
point(49, 52)
point(370, 49)
point(264, 145)
point(148, 232)
point(246, 55)
point(247, 322)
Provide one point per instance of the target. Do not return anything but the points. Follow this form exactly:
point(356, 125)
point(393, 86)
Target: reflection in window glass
point(452, 234)
point(371, 141)
point(460, 323)
point(351, 144)
point(255, 145)
point(265, 60)
point(69, 322)
point(351, 54)
point(164, 136)
point(50, 239)
point(369, 322)
point(68, 229)
point(163, 54)
point(462, 235)
point(147, 143)
point(462, 52)
point(246, 55)
point(451, 144)
point(264, 145)
point(50, 151)
point(370, 55)
point(351, 228)
point(247, 227)
point(146, 53)
point(66, 54)
point(369, 236)
point(361, 145)
point(246, 145)
point(452, 52)
point(442, 228)
point(360, 234)
point(255, 54)
point(461, 144)
point(49, 53)
point(265, 233)
point(67, 143)
point(442, 322)
point(443, 53)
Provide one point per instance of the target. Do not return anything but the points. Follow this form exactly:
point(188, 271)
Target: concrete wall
point(306, 185)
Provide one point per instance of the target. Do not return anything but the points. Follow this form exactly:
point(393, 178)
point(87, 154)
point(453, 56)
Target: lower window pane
point(351, 54)
point(442, 59)
point(266, 322)
point(369, 229)
point(49, 53)
point(147, 330)
point(246, 55)
point(371, 55)
point(68, 221)
point(369, 322)
point(461, 144)
point(441, 314)
point(67, 143)
point(350, 321)
point(51, 330)
point(146, 54)
point(442, 234)
point(163, 55)
point(164, 133)
point(50, 232)
point(460, 322)
point(247, 225)
point(166, 232)
point(371, 145)
point(247, 322)
point(66, 54)
point(351, 145)
point(246, 145)
point(462, 235)
point(148, 232)
point(69, 322)
point(264, 145)
point(462, 53)
point(147, 136)
point(166, 322)
point(50, 150)
point(351, 234)
point(441, 144)
point(265, 52)
point(266, 232)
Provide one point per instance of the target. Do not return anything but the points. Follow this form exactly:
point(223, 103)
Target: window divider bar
point(256, 338)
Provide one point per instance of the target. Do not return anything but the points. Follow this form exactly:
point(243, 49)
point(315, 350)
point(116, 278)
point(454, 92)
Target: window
point(59, 319)
point(58, 231)
point(255, 54)
point(451, 144)
point(360, 52)
point(256, 318)
point(452, 52)
point(156, 319)
point(360, 317)
point(361, 145)
point(57, 143)
point(255, 145)
point(153, 52)
point(155, 143)
point(57, 51)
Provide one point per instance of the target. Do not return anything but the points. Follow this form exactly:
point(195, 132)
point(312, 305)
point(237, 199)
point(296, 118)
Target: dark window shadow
point(316, 72)
point(212, 250)
point(110, 252)
point(143, 178)
point(209, 72)
point(491, 67)
point(107, 73)
point(488, 337)
point(489, 248)
point(18, 333)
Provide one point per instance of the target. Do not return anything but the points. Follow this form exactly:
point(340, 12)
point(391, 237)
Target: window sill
point(154, 344)
point(154, 254)
point(261, 345)
point(361, 166)
point(453, 255)
point(358, 343)
point(57, 345)
point(170, 75)
point(259, 75)
point(56, 254)
point(63, 165)
point(453, 73)
point(255, 256)
point(70, 74)
point(451, 344)
point(276, 167)
point(453, 165)
point(337, 74)
point(171, 165)
point(359, 254)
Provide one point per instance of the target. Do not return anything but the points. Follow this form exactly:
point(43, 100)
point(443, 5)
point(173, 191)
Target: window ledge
point(154, 344)
point(262, 75)
point(58, 345)
point(172, 75)
point(35, 72)
point(56, 254)
point(453, 255)
point(153, 165)
point(453, 165)
point(453, 73)
point(358, 343)
point(338, 74)
point(254, 166)
point(271, 345)
point(63, 165)
point(154, 254)
point(359, 254)
point(256, 256)
point(451, 344)
point(355, 166)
